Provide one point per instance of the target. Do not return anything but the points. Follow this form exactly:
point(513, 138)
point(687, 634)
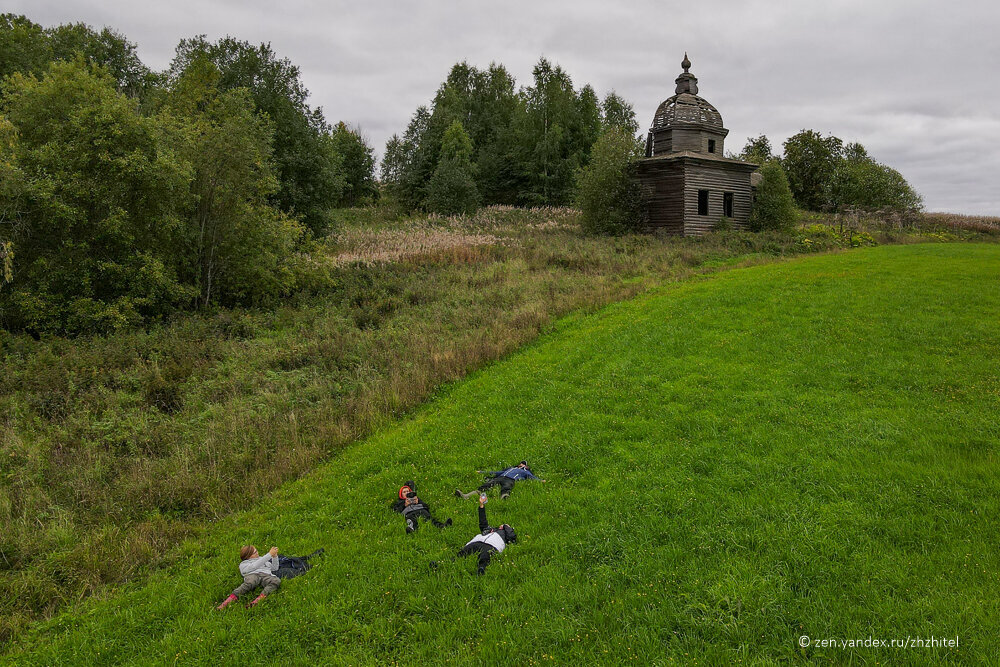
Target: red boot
point(258, 599)
point(225, 603)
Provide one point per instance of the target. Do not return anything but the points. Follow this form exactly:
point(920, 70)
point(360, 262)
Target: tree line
point(826, 174)
point(483, 140)
point(127, 194)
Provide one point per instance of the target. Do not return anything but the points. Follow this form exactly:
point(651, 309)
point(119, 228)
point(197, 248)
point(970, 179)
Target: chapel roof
point(686, 107)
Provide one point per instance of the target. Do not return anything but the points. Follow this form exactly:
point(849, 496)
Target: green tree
point(855, 151)
point(452, 188)
point(357, 164)
point(608, 194)
point(392, 166)
point(13, 188)
point(497, 105)
point(24, 46)
point(757, 150)
point(617, 112)
point(809, 162)
point(864, 184)
point(528, 143)
point(309, 178)
point(28, 48)
point(240, 244)
point(549, 137)
point(94, 229)
point(773, 206)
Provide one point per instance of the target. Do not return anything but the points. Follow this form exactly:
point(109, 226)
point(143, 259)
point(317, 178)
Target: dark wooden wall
point(672, 140)
point(715, 179)
point(663, 193)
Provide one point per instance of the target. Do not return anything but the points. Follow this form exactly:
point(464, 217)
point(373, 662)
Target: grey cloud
point(912, 80)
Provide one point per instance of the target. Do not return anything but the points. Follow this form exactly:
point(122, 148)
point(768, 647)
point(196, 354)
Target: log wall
point(715, 179)
point(663, 193)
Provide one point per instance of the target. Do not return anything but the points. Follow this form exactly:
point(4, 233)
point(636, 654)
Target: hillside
point(801, 448)
point(113, 448)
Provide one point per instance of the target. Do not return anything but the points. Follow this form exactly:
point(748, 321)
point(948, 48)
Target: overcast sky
point(915, 81)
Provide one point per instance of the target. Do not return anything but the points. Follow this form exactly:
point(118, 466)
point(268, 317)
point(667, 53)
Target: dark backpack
point(291, 566)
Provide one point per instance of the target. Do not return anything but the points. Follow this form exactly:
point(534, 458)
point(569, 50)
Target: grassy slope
point(802, 448)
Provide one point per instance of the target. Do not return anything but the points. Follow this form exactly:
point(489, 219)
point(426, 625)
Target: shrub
point(608, 194)
point(868, 185)
point(773, 206)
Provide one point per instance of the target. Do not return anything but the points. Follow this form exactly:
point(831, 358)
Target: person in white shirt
point(489, 541)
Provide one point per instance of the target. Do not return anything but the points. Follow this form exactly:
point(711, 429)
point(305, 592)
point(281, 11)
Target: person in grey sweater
point(257, 571)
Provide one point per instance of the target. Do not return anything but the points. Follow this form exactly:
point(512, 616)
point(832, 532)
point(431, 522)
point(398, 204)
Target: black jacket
point(400, 506)
point(507, 532)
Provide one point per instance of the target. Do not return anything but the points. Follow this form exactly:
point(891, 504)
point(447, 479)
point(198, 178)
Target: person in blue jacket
point(503, 478)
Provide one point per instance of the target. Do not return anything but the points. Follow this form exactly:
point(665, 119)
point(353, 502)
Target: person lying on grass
point(504, 479)
point(267, 571)
point(412, 508)
point(489, 541)
point(257, 571)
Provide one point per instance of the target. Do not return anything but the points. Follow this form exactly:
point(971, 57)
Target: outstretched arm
point(483, 523)
point(273, 553)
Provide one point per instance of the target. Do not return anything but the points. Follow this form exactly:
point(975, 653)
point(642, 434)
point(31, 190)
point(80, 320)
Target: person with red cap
point(413, 508)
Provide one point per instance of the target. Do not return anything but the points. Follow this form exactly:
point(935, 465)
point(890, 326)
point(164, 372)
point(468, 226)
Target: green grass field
point(801, 448)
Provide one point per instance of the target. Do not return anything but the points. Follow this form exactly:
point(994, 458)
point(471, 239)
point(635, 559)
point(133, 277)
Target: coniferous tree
point(452, 188)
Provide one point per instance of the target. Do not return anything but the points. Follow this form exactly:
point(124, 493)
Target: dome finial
point(686, 82)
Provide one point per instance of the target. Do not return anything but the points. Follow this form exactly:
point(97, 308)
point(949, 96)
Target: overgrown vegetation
point(801, 449)
point(608, 192)
point(773, 206)
point(127, 196)
point(113, 448)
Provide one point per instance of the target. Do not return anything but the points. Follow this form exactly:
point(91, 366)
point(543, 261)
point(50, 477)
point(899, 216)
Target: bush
point(608, 194)
point(773, 206)
point(868, 185)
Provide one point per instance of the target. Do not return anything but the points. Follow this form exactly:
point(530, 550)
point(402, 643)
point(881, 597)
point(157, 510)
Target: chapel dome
point(686, 107)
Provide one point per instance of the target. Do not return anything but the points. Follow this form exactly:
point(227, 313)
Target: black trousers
point(505, 483)
point(411, 519)
point(484, 550)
